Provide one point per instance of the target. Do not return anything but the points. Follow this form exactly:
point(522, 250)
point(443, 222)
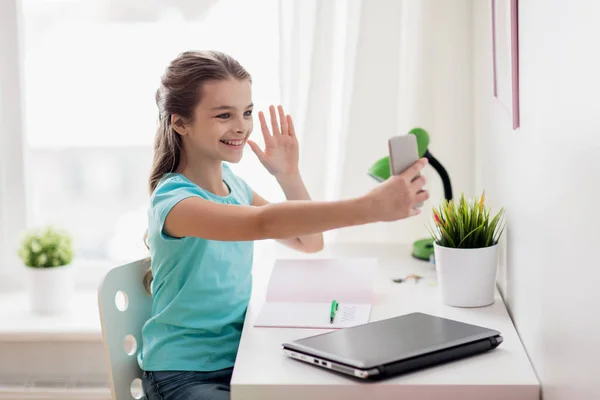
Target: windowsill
point(80, 323)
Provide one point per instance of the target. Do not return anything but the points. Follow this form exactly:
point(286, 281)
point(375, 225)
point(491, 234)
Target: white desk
point(263, 372)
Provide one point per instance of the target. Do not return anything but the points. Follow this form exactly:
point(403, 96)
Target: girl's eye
point(224, 116)
point(248, 113)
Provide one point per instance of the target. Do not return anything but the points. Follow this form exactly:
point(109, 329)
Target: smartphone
point(404, 152)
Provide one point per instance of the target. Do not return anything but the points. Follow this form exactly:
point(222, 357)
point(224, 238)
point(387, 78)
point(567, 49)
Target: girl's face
point(222, 120)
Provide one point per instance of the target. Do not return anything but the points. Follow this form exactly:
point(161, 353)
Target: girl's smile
point(234, 144)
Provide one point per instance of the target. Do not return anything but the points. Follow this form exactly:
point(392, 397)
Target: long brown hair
point(179, 94)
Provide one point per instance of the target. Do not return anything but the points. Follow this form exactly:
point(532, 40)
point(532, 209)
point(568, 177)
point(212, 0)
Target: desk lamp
point(380, 171)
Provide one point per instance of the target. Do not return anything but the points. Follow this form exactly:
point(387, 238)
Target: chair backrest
point(124, 307)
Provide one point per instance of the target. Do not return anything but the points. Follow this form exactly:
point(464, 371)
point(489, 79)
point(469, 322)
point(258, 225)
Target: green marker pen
point(334, 307)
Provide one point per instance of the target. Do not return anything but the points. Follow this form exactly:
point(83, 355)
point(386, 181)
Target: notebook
point(300, 292)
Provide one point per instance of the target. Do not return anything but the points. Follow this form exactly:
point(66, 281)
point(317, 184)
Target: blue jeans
point(187, 385)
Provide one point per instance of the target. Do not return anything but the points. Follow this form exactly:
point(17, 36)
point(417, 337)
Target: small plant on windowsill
point(466, 238)
point(46, 248)
point(48, 254)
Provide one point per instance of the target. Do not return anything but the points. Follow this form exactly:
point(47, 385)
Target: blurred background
point(91, 69)
point(352, 74)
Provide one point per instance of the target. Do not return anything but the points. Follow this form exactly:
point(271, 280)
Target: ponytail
point(167, 151)
point(167, 154)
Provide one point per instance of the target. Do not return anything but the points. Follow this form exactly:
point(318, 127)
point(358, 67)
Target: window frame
point(13, 199)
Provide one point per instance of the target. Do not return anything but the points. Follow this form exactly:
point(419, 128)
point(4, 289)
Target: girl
point(203, 220)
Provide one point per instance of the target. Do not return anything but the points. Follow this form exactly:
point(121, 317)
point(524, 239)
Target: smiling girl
point(203, 220)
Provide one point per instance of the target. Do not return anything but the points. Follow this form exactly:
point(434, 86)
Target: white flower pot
point(51, 289)
point(467, 277)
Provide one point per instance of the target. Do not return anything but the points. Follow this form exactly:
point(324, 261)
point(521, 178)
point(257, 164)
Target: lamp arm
point(443, 174)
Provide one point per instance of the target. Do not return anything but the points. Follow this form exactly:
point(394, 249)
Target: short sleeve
point(169, 192)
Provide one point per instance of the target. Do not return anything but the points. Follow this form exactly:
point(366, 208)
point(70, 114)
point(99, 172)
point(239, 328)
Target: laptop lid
point(391, 340)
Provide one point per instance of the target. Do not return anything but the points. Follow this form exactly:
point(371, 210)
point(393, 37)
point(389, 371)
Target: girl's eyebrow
point(229, 107)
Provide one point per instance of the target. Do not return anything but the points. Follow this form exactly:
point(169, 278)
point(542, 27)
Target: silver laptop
point(393, 346)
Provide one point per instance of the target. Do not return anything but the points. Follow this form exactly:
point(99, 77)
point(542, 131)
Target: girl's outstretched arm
point(195, 216)
point(393, 199)
point(294, 189)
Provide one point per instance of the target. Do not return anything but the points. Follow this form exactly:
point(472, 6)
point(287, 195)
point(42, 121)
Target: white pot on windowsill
point(48, 254)
point(51, 289)
point(467, 277)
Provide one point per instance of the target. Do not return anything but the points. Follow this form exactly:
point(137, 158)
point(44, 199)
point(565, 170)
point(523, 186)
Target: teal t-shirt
point(201, 288)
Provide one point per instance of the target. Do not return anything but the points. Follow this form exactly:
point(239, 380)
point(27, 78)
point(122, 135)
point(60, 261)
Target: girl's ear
point(178, 124)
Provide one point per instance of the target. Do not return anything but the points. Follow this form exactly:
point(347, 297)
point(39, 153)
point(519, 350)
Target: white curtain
point(355, 73)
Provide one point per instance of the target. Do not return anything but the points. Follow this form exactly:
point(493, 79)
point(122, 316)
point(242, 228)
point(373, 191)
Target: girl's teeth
point(233, 142)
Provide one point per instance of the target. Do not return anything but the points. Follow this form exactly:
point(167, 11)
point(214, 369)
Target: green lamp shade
point(380, 170)
point(422, 140)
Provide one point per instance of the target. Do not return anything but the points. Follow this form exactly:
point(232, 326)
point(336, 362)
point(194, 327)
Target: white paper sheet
point(300, 292)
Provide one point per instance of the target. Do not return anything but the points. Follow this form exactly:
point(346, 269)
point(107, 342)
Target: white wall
point(547, 174)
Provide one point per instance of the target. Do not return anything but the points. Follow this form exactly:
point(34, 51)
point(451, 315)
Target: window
point(91, 68)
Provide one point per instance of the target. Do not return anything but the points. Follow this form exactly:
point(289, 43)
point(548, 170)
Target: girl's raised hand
point(281, 153)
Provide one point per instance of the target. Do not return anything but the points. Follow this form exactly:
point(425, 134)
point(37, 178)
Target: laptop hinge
point(382, 370)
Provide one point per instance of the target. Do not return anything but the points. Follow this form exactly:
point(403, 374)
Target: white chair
point(124, 307)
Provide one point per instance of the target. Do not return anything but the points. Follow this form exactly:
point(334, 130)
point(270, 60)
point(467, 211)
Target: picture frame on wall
point(505, 48)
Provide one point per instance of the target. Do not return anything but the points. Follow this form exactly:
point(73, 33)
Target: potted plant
point(466, 251)
point(48, 254)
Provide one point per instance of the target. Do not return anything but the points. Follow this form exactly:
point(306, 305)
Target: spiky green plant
point(46, 248)
point(466, 224)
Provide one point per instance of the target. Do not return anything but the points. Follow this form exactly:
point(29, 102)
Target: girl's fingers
point(419, 182)
point(292, 131)
point(257, 150)
point(283, 121)
point(274, 124)
point(422, 196)
point(415, 211)
point(415, 168)
point(263, 126)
